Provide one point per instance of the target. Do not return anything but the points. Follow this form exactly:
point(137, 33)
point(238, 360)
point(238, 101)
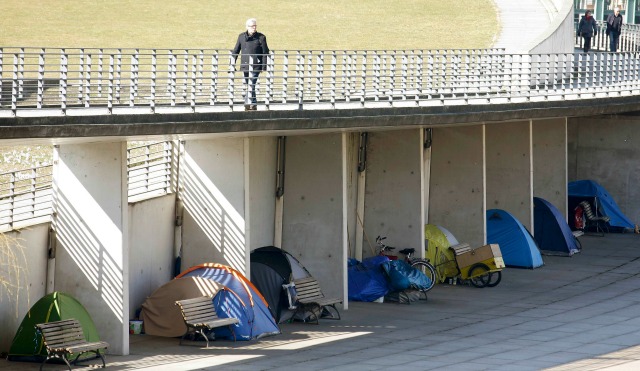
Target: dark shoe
point(247, 107)
point(254, 107)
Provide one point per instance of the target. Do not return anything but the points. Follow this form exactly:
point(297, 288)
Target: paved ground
point(573, 313)
point(521, 22)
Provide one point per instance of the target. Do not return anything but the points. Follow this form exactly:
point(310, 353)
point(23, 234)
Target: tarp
point(605, 204)
point(366, 279)
point(551, 231)
point(517, 246)
point(438, 240)
point(27, 345)
point(272, 267)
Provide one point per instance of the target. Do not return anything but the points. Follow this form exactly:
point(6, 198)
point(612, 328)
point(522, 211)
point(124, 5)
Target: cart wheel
point(482, 275)
point(494, 279)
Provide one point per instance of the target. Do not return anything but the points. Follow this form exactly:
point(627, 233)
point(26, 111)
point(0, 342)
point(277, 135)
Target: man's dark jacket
point(254, 46)
point(614, 23)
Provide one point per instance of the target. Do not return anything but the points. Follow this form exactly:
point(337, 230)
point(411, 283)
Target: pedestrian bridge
point(119, 92)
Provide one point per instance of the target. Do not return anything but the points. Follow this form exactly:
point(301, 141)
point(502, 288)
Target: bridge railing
point(46, 82)
point(26, 196)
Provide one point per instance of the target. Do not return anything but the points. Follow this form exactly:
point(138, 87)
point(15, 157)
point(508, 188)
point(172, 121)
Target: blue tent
point(241, 300)
point(551, 231)
point(517, 246)
point(605, 204)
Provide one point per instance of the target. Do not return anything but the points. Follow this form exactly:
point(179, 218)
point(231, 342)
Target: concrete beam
point(289, 122)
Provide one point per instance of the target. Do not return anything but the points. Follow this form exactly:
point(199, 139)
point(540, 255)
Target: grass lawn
point(215, 24)
point(289, 25)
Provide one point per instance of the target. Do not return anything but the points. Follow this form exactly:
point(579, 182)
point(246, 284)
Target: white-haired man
point(614, 28)
point(253, 46)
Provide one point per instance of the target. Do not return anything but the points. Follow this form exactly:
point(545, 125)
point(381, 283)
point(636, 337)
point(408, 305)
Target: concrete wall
point(23, 276)
point(457, 189)
point(313, 219)
point(90, 201)
point(509, 169)
point(394, 203)
point(212, 178)
point(607, 150)
point(549, 161)
point(558, 37)
point(261, 176)
point(151, 238)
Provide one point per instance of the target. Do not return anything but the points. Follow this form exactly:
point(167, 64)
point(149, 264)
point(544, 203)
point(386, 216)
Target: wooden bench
point(309, 295)
point(63, 338)
point(199, 314)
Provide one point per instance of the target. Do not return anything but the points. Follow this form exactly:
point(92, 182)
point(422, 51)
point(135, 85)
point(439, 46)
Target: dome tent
point(27, 344)
point(233, 296)
point(272, 267)
point(551, 231)
point(518, 247)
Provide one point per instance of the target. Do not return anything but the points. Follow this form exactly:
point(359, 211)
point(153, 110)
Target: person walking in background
point(587, 29)
point(253, 46)
point(614, 28)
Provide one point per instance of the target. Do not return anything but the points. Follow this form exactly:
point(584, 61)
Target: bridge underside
point(177, 125)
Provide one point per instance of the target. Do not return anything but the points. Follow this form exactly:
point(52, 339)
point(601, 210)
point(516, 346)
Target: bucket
point(135, 327)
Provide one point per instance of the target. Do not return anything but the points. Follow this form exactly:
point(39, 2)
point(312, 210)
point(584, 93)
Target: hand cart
point(482, 266)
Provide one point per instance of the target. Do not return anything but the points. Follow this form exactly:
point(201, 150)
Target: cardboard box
point(478, 254)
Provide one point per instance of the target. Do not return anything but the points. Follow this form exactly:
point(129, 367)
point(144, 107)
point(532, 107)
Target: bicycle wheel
point(494, 279)
point(428, 270)
point(479, 275)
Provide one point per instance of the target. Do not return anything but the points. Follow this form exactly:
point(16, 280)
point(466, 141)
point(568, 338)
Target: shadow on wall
point(222, 224)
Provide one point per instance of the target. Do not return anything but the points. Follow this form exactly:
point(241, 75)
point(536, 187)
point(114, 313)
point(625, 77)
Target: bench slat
point(199, 313)
point(63, 338)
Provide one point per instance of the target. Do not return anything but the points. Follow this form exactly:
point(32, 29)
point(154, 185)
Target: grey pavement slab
point(510, 327)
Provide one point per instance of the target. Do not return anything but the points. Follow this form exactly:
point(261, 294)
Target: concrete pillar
point(260, 194)
point(90, 197)
point(550, 161)
point(509, 169)
point(457, 188)
point(314, 208)
point(394, 205)
point(228, 188)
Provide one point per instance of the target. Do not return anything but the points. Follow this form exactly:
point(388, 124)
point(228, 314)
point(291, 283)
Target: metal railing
point(26, 196)
point(150, 170)
point(629, 38)
point(103, 81)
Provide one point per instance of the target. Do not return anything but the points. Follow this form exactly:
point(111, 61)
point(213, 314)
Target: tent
point(438, 240)
point(27, 345)
point(272, 267)
point(235, 296)
point(551, 231)
point(604, 204)
point(518, 247)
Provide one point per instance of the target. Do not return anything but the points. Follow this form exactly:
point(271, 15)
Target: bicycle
point(423, 265)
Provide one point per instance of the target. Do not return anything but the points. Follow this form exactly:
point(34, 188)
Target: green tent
point(27, 345)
